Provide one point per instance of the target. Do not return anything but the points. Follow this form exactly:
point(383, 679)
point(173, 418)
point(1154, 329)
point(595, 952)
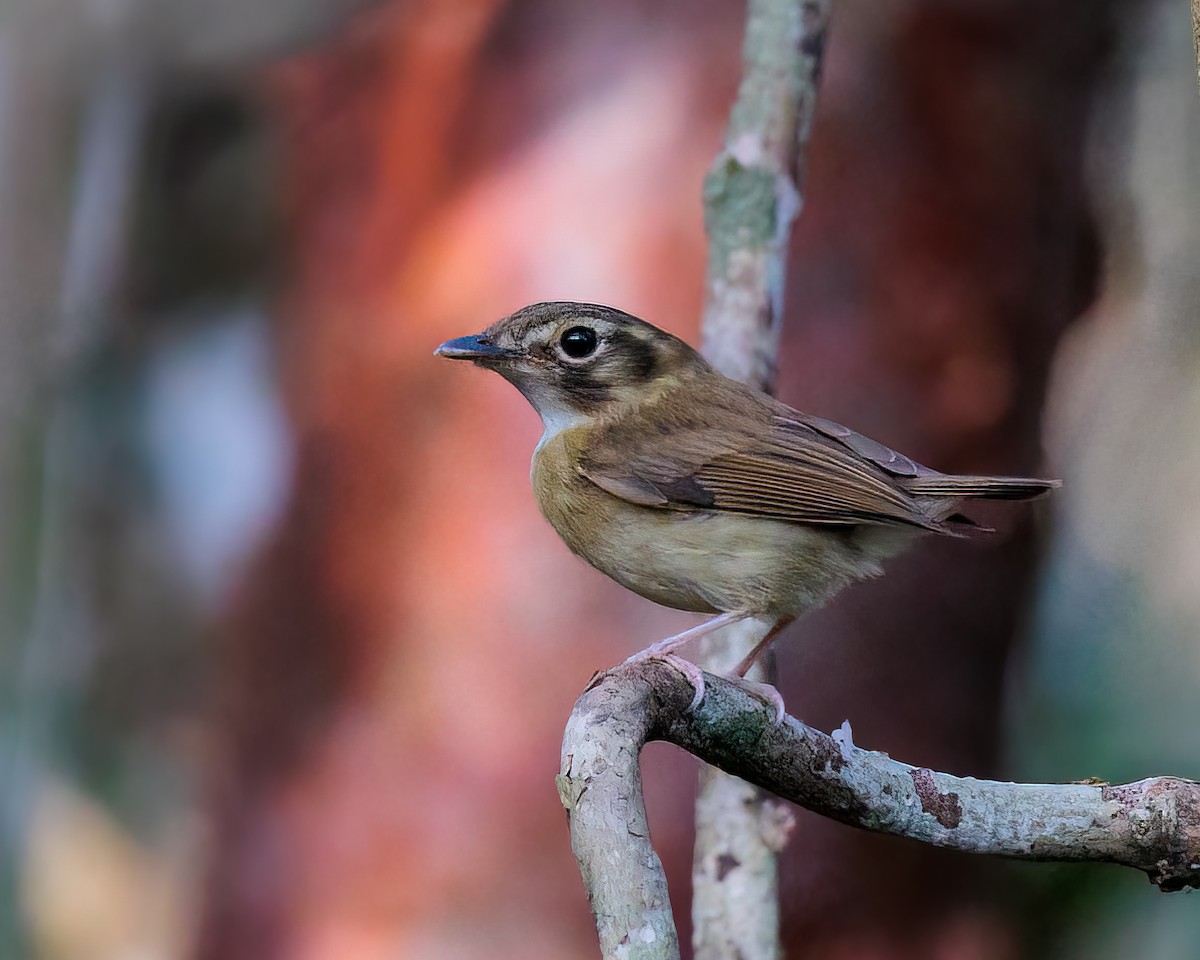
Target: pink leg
point(767, 694)
point(671, 644)
point(763, 691)
point(748, 660)
point(666, 649)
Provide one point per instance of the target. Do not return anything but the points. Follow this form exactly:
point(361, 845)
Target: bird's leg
point(666, 649)
point(748, 660)
point(671, 644)
point(763, 691)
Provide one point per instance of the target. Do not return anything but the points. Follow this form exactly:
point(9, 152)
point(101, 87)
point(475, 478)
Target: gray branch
point(1196, 34)
point(752, 191)
point(752, 194)
point(1152, 825)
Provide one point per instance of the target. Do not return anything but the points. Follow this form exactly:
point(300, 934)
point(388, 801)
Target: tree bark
point(1152, 825)
point(1196, 34)
point(751, 197)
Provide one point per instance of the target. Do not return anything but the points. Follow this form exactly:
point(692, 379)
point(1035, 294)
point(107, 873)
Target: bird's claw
point(693, 673)
point(766, 694)
point(763, 692)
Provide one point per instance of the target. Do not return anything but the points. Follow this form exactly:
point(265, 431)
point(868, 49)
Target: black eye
point(578, 342)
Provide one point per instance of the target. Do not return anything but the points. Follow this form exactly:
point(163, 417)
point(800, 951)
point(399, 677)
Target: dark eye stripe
point(638, 357)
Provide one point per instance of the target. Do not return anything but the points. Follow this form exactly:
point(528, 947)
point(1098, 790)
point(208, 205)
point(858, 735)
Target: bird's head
point(575, 362)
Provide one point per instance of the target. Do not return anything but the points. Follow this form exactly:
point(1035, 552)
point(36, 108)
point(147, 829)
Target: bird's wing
point(792, 468)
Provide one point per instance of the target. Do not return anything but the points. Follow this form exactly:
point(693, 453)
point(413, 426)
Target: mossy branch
point(1152, 825)
point(752, 191)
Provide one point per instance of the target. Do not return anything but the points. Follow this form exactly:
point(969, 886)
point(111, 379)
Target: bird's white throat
point(555, 419)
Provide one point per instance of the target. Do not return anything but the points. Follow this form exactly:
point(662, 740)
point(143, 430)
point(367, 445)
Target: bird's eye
point(578, 342)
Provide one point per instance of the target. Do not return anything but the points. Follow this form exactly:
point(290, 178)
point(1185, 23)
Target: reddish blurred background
point(294, 649)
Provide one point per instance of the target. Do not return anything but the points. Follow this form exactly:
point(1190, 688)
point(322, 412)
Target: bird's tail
point(949, 486)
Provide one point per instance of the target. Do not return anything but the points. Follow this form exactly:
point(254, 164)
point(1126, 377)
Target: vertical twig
point(752, 192)
point(50, 657)
point(1196, 34)
point(751, 196)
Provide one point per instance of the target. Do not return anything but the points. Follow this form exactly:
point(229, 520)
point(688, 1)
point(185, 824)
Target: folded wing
point(791, 467)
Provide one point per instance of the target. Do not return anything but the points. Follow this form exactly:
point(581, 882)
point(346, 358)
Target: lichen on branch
point(1152, 825)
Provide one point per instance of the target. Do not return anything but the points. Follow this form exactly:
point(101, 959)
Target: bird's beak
point(476, 347)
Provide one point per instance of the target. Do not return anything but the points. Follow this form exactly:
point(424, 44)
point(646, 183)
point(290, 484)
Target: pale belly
point(725, 562)
point(702, 561)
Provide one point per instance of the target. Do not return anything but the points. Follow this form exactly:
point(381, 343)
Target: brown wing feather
point(774, 465)
point(884, 457)
point(920, 480)
point(798, 476)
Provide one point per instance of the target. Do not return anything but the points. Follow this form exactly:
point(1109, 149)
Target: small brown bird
point(698, 492)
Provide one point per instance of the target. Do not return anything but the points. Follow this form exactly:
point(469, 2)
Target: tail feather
point(980, 488)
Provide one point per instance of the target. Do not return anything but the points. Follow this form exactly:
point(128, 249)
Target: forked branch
point(1152, 825)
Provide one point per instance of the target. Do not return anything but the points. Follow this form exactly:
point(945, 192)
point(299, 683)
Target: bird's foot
point(693, 673)
point(765, 693)
point(671, 644)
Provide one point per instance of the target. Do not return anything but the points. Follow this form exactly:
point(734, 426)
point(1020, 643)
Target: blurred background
point(285, 648)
